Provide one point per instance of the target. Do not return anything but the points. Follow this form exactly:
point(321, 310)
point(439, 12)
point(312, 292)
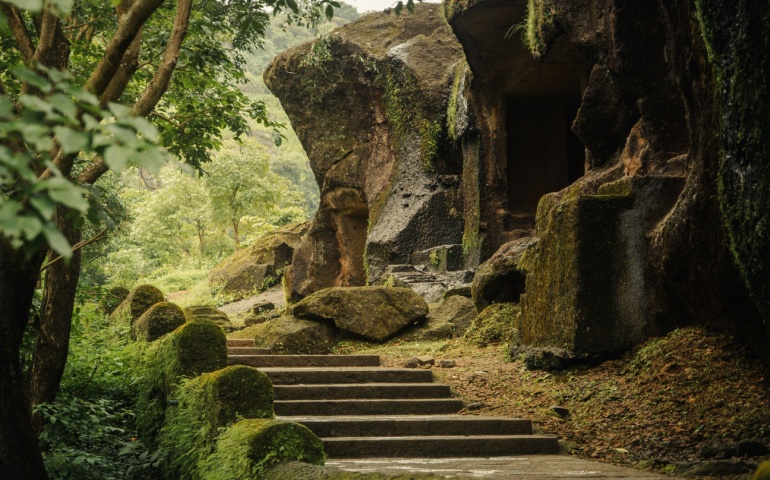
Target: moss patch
point(206, 405)
point(496, 323)
point(249, 447)
point(113, 298)
point(138, 301)
point(194, 348)
point(160, 319)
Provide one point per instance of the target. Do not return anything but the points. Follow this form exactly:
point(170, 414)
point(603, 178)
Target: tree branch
point(128, 27)
point(20, 32)
point(46, 43)
point(92, 172)
point(128, 65)
point(159, 83)
point(77, 246)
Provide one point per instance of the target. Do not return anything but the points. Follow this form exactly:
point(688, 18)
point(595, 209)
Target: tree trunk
point(20, 457)
point(237, 236)
point(53, 337)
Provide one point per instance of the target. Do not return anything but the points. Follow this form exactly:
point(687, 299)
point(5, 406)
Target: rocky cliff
point(619, 150)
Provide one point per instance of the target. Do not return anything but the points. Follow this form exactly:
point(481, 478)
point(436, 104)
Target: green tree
point(165, 60)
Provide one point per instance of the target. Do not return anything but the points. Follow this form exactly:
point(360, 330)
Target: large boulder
point(375, 313)
point(383, 173)
point(136, 303)
point(203, 312)
point(160, 319)
point(445, 320)
point(260, 265)
point(291, 335)
point(499, 279)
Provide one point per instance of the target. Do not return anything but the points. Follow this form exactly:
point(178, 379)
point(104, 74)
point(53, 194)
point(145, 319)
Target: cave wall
point(668, 226)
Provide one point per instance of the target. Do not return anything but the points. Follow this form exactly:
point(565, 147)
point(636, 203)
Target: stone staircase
point(360, 409)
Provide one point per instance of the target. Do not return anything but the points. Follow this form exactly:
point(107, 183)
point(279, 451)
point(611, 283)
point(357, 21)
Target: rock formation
point(624, 143)
point(369, 103)
point(260, 265)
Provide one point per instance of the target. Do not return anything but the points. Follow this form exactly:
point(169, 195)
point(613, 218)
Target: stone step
point(258, 360)
point(238, 351)
point(240, 342)
point(424, 406)
point(412, 425)
point(364, 390)
point(335, 375)
point(440, 446)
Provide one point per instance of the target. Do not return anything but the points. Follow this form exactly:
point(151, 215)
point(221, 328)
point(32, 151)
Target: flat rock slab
point(518, 467)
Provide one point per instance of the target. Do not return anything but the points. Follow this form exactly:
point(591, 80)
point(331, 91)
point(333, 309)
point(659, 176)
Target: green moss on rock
point(138, 301)
point(206, 405)
point(213, 314)
point(113, 298)
point(495, 324)
point(246, 449)
point(160, 319)
point(194, 348)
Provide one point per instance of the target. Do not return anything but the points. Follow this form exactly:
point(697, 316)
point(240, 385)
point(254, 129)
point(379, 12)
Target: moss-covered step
point(364, 390)
point(240, 342)
point(440, 446)
point(370, 406)
point(304, 360)
point(410, 425)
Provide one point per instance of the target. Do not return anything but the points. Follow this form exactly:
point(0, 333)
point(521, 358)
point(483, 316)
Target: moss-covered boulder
point(113, 298)
point(206, 405)
point(160, 319)
point(291, 335)
point(375, 313)
point(260, 265)
point(202, 312)
point(246, 449)
point(496, 323)
point(196, 347)
point(138, 301)
point(499, 279)
point(445, 320)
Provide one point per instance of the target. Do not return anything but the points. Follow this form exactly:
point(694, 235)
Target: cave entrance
point(542, 153)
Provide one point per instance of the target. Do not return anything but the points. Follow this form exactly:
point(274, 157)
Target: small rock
point(425, 360)
point(262, 307)
point(752, 448)
point(561, 411)
point(411, 363)
point(476, 406)
point(447, 363)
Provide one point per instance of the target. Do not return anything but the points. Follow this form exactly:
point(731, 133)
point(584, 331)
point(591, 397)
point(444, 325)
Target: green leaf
point(32, 78)
point(120, 111)
point(292, 5)
point(37, 104)
point(329, 12)
point(6, 107)
point(66, 193)
point(43, 205)
point(117, 157)
point(64, 104)
point(71, 141)
point(57, 241)
point(30, 226)
point(33, 6)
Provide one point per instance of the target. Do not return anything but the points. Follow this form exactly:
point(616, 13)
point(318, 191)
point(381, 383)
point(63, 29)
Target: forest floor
point(667, 406)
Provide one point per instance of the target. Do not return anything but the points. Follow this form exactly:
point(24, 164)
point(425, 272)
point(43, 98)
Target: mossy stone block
point(246, 449)
point(198, 346)
point(237, 391)
point(114, 297)
point(161, 319)
point(138, 301)
point(574, 271)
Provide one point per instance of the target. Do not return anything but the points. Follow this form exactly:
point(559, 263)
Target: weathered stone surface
point(259, 265)
point(209, 313)
point(138, 301)
point(160, 319)
point(449, 319)
point(496, 323)
point(383, 171)
point(499, 279)
point(262, 318)
point(376, 313)
point(291, 335)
